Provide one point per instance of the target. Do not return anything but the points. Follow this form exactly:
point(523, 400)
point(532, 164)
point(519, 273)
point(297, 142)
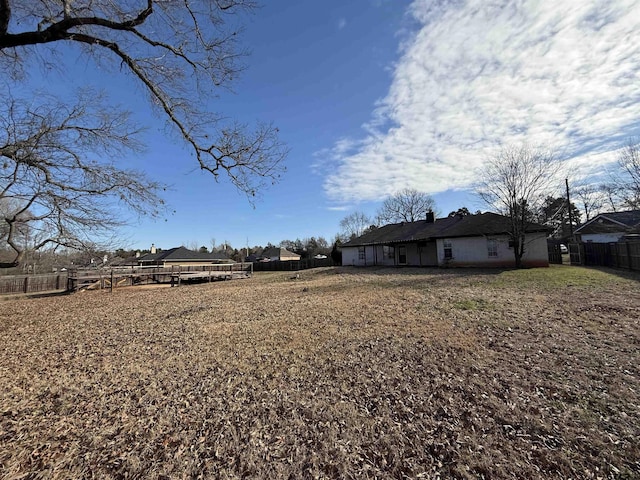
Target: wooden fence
point(292, 265)
point(175, 274)
point(617, 255)
point(10, 284)
point(117, 277)
point(555, 254)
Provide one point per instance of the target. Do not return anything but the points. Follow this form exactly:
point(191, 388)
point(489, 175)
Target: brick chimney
point(431, 216)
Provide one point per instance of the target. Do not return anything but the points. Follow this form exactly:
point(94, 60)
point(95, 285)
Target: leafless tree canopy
point(629, 160)
point(408, 205)
point(55, 186)
point(590, 199)
point(181, 52)
point(59, 178)
point(354, 225)
point(514, 183)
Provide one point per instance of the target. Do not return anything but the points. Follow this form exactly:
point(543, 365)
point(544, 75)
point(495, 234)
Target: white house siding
point(350, 256)
point(378, 256)
point(473, 252)
point(467, 252)
point(429, 255)
point(423, 254)
point(374, 255)
point(601, 237)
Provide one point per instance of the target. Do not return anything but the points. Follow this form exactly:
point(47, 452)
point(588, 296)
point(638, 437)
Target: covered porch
point(416, 254)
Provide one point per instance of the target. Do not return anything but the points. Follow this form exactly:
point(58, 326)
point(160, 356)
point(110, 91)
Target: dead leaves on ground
point(381, 374)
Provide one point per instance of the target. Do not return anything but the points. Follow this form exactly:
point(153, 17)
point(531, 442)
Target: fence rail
point(129, 276)
point(118, 276)
point(10, 284)
point(292, 265)
point(617, 255)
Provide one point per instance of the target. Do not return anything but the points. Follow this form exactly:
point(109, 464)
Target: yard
point(342, 373)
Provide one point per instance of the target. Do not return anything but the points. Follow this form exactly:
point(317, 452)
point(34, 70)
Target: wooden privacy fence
point(553, 249)
point(617, 255)
point(292, 265)
point(10, 284)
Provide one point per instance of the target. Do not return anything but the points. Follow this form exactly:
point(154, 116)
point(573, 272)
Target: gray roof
point(449, 227)
point(178, 254)
point(627, 221)
point(277, 252)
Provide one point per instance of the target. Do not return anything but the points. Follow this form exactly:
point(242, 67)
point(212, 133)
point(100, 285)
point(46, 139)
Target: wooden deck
point(175, 275)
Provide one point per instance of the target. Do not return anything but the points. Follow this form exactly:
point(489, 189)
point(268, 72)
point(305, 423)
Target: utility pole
point(566, 182)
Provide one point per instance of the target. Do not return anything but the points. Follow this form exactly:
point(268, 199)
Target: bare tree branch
point(629, 184)
point(591, 199)
point(354, 225)
point(408, 205)
point(55, 181)
point(181, 52)
point(514, 183)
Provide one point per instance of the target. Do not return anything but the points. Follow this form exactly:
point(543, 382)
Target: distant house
point(180, 256)
point(480, 240)
point(609, 227)
point(274, 254)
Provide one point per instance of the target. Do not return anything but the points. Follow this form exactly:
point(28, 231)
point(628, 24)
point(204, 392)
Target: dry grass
point(344, 373)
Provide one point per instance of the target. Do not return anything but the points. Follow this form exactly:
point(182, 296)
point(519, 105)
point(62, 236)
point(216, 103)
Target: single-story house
point(180, 256)
point(480, 240)
point(609, 227)
point(275, 254)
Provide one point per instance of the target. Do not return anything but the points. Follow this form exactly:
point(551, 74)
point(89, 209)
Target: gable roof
point(177, 254)
point(449, 227)
point(626, 221)
point(278, 252)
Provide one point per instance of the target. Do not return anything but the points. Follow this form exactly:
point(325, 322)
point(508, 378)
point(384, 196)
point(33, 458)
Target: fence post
point(111, 290)
point(26, 284)
point(629, 263)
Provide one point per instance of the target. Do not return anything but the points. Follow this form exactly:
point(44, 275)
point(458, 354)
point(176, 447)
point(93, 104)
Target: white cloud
point(340, 208)
point(479, 74)
point(342, 22)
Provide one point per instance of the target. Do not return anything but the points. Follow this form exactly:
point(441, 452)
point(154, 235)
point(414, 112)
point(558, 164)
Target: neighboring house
point(465, 241)
point(609, 227)
point(274, 254)
point(180, 256)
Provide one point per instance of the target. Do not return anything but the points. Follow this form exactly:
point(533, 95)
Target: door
point(402, 255)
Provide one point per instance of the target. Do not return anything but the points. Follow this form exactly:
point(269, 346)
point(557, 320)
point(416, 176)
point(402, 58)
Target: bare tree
point(408, 205)
point(56, 184)
point(192, 245)
point(515, 183)
point(180, 53)
point(629, 161)
point(354, 225)
point(590, 199)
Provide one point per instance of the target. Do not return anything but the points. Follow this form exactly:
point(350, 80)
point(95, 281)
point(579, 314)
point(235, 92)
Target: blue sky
point(378, 95)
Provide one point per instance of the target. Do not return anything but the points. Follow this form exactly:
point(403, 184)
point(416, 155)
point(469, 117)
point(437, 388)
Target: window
point(492, 247)
point(388, 252)
point(448, 251)
point(402, 255)
point(361, 255)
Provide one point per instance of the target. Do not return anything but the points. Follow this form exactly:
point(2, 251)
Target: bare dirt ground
point(343, 373)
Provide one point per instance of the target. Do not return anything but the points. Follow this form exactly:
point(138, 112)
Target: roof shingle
point(449, 227)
